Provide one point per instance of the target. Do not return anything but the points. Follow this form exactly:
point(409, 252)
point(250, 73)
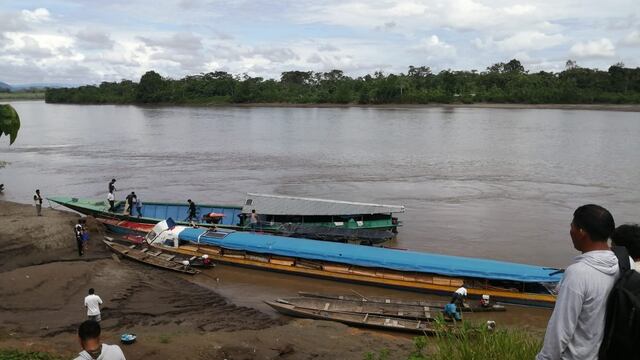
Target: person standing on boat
point(37, 199)
point(192, 211)
point(128, 202)
point(112, 200)
point(134, 202)
point(112, 186)
point(253, 220)
point(139, 207)
point(576, 327)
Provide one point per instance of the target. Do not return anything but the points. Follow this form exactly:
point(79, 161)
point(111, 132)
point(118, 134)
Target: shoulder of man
point(112, 352)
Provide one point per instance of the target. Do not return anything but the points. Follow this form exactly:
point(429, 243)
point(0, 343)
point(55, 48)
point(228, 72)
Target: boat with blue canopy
point(504, 281)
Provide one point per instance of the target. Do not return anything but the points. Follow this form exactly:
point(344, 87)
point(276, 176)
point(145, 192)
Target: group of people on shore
point(577, 325)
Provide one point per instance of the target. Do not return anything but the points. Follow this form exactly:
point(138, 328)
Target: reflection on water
point(479, 182)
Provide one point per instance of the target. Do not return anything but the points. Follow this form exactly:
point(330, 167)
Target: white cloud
point(432, 47)
point(632, 39)
point(36, 16)
point(526, 40)
point(93, 39)
point(601, 48)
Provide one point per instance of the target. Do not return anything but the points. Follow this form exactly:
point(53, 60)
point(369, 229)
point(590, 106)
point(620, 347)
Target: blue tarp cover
point(374, 257)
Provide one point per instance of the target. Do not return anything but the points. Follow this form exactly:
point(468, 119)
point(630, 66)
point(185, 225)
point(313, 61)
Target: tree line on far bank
point(500, 83)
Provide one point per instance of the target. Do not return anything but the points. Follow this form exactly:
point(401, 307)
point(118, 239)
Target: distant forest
point(500, 83)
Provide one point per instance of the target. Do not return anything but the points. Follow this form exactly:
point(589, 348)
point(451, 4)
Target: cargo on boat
point(411, 270)
point(320, 219)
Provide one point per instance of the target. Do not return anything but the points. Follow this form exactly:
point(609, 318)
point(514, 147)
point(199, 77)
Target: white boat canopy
point(265, 204)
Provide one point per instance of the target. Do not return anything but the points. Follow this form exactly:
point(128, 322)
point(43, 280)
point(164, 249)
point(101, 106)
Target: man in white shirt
point(92, 347)
point(92, 302)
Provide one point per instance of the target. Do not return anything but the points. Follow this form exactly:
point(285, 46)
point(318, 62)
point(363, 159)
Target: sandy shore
point(44, 281)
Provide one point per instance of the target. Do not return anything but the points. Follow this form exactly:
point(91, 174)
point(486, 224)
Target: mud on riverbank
point(44, 281)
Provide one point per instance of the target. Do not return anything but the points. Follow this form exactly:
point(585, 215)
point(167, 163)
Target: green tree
point(9, 122)
point(151, 88)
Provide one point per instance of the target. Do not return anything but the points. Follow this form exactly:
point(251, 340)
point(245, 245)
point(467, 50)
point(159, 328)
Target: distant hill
point(5, 86)
point(40, 86)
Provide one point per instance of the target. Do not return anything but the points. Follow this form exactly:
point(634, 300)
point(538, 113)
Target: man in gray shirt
point(92, 348)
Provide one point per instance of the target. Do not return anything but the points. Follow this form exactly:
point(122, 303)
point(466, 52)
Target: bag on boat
point(622, 320)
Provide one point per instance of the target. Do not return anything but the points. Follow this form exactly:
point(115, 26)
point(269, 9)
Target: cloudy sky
point(78, 42)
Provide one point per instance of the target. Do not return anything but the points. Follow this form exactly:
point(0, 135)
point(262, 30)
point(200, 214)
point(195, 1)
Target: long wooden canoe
point(359, 320)
point(150, 256)
point(397, 303)
point(424, 313)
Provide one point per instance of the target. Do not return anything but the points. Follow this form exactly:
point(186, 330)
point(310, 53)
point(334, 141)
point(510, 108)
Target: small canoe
point(150, 256)
point(361, 320)
point(424, 313)
point(355, 299)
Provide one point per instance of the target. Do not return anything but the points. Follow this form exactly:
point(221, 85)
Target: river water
point(495, 183)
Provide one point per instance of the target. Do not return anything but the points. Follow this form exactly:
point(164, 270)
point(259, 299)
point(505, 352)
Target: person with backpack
point(628, 235)
point(576, 327)
point(622, 323)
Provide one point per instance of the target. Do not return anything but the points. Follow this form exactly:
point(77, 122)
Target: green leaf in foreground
point(9, 122)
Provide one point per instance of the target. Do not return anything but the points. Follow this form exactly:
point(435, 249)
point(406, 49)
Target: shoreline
point(508, 106)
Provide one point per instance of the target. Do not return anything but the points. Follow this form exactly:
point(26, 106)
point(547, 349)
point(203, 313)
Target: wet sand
point(217, 314)
point(44, 282)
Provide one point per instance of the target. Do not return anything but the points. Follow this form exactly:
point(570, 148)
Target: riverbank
point(595, 107)
point(173, 317)
point(21, 96)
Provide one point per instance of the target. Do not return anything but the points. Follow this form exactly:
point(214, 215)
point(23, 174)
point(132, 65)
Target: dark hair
point(37, 190)
point(595, 220)
point(113, 179)
point(91, 291)
point(628, 235)
point(90, 329)
point(189, 200)
point(253, 210)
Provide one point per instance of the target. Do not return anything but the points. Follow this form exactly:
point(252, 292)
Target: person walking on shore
point(79, 232)
point(576, 327)
point(92, 302)
point(92, 347)
point(37, 199)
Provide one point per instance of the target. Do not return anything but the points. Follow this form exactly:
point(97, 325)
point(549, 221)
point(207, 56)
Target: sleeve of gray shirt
point(564, 319)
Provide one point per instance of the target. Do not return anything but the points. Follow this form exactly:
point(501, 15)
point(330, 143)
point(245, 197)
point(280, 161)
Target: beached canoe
point(441, 274)
point(408, 304)
point(360, 320)
point(320, 219)
point(150, 256)
point(425, 313)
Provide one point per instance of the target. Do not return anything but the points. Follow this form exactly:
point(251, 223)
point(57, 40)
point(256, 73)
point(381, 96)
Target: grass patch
point(164, 339)
point(472, 342)
point(6, 354)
